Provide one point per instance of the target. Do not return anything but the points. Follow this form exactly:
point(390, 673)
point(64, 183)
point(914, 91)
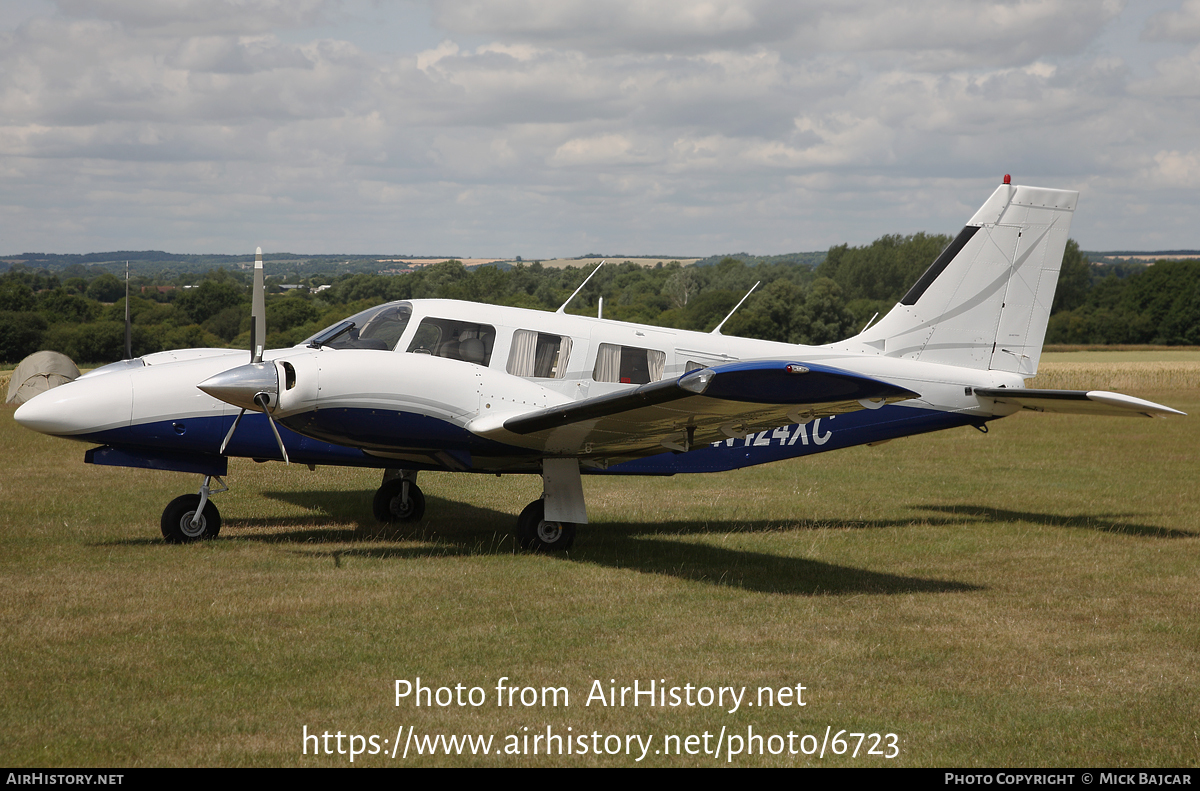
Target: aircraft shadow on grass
point(1104, 523)
point(463, 529)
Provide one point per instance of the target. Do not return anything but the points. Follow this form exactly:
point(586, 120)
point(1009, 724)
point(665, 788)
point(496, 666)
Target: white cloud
point(430, 57)
point(936, 34)
point(1177, 76)
point(749, 124)
point(612, 149)
point(1176, 169)
point(1182, 24)
point(202, 17)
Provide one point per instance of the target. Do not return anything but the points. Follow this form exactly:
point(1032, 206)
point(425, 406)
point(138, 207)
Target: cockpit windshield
point(374, 328)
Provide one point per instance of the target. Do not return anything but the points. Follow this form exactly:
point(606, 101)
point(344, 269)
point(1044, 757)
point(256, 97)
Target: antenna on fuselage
point(563, 307)
point(600, 308)
point(717, 329)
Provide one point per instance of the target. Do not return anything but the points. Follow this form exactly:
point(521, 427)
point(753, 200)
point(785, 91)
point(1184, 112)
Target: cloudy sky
point(561, 127)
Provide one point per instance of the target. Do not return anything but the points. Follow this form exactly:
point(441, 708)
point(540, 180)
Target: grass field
point(1123, 371)
point(1026, 597)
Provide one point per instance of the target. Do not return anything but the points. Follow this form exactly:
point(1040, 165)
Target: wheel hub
point(185, 525)
point(549, 532)
point(401, 507)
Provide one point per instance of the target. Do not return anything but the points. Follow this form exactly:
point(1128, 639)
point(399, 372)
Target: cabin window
point(538, 354)
point(692, 365)
point(628, 364)
point(455, 340)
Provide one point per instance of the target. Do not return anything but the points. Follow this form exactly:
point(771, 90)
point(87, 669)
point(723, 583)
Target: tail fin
point(985, 301)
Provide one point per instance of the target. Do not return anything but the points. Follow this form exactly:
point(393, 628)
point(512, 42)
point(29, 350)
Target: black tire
point(536, 534)
point(177, 520)
point(389, 507)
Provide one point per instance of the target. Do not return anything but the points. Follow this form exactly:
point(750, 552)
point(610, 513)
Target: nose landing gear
point(193, 517)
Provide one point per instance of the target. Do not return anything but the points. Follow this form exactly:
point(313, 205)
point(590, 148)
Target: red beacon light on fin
point(1007, 179)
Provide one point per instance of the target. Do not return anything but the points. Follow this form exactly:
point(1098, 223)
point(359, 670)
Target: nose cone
point(239, 386)
point(81, 407)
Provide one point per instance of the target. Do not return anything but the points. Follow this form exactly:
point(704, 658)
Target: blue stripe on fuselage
point(394, 431)
point(385, 430)
point(785, 442)
point(253, 439)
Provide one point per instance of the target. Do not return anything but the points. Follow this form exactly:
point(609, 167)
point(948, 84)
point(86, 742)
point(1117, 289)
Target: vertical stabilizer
point(984, 303)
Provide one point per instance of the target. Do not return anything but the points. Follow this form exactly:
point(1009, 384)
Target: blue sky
point(563, 127)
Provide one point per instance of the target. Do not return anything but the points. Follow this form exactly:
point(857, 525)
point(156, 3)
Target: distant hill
point(162, 264)
point(1139, 256)
point(803, 259)
point(157, 263)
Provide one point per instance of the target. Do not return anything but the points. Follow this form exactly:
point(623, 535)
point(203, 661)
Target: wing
point(697, 408)
point(1084, 402)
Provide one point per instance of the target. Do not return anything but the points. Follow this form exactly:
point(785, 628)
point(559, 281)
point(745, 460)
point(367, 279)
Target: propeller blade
point(258, 311)
point(232, 429)
point(263, 400)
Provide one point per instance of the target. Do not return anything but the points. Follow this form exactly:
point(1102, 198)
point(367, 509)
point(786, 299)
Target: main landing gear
point(399, 499)
point(537, 534)
point(193, 517)
point(548, 524)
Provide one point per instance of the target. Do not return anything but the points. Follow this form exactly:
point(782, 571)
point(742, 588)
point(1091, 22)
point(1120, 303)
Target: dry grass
point(1122, 376)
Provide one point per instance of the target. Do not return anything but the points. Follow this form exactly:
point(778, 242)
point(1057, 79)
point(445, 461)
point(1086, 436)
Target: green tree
point(209, 298)
point(21, 334)
point(283, 314)
point(772, 315)
point(94, 342)
point(106, 288)
point(59, 305)
point(1074, 279)
point(227, 324)
point(824, 318)
point(885, 269)
point(681, 287)
point(15, 294)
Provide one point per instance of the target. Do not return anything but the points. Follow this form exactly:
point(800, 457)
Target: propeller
point(234, 384)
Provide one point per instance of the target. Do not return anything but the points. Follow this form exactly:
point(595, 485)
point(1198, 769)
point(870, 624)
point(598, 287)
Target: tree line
point(83, 317)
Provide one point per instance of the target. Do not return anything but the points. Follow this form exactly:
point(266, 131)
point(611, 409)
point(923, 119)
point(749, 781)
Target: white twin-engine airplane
point(445, 385)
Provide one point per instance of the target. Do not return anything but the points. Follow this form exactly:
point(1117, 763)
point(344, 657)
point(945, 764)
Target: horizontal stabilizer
point(697, 408)
point(1081, 402)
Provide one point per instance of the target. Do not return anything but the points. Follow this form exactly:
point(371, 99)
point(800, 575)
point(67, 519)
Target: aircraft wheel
point(177, 520)
point(389, 505)
point(537, 534)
